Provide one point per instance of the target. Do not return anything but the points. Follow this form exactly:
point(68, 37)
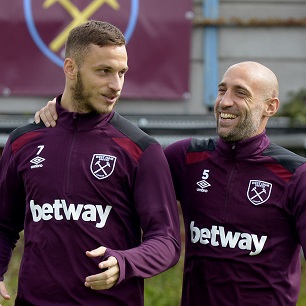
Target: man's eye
point(122, 73)
point(103, 71)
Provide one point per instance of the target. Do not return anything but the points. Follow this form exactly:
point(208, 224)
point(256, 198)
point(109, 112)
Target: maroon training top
point(93, 180)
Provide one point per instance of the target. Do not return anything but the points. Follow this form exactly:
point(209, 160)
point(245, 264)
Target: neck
point(66, 101)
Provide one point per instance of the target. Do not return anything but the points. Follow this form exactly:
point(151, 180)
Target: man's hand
point(110, 275)
point(3, 292)
point(47, 114)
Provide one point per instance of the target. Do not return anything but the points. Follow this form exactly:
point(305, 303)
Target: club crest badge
point(258, 191)
point(102, 165)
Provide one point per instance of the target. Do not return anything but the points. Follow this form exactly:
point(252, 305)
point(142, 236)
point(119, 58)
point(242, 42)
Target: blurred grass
point(165, 289)
point(161, 290)
point(11, 276)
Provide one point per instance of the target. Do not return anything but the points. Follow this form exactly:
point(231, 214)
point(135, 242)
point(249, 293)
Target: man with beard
point(243, 200)
point(94, 195)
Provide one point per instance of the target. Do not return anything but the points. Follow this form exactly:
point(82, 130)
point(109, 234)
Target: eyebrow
point(239, 87)
point(101, 66)
point(235, 87)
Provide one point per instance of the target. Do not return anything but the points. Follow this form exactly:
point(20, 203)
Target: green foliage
point(295, 108)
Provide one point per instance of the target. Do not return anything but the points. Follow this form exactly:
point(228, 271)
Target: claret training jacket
point(93, 180)
point(244, 207)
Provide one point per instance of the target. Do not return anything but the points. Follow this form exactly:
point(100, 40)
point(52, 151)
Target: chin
point(104, 110)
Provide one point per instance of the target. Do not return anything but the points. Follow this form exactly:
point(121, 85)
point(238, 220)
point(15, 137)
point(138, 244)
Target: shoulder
point(24, 129)
point(193, 145)
point(190, 150)
point(132, 132)
point(284, 157)
point(131, 138)
point(177, 149)
point(200, 145)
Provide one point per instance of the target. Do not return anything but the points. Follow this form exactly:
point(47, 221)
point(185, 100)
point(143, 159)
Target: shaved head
point(261, 74)
point(247, 98)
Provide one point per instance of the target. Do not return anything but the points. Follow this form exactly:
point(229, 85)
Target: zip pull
point(233, 146)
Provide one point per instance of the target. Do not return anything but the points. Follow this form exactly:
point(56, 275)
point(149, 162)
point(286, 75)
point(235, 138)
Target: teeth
point(227, 116)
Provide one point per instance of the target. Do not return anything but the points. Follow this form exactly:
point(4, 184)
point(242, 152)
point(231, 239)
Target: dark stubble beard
point(245, 129)
point(81, 101)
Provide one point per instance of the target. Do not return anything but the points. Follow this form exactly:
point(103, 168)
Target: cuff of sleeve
point(121, 263)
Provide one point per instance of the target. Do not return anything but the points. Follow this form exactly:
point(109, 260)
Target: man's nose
point(226, 100)
point(116, 82)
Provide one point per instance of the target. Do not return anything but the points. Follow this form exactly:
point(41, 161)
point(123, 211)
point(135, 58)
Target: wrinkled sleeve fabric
point(155, 203)
point(11, 207)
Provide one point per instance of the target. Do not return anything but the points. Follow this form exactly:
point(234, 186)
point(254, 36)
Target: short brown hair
point(91, 32)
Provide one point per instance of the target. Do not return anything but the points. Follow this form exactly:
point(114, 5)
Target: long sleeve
point(156, 206)
point(11, 208)
point(296, 203)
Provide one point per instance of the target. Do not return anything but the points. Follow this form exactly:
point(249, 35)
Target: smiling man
point(247, 97)
point(243, 200)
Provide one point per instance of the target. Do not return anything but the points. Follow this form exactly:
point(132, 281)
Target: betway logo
point(216, 236)
point(60, 210)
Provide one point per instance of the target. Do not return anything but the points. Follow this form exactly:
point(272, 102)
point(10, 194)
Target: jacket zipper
point(69, 163)
point(228, 185)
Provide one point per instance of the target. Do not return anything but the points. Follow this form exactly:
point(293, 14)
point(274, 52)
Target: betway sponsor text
point(216, 236)
point(60, 210)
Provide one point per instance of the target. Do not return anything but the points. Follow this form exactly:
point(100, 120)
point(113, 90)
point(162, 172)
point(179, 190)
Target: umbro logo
point(37, 160)
point(203, 184)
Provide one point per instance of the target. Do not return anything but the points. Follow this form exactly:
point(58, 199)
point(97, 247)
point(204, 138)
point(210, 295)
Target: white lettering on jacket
point(216, 236)
point(60, 210)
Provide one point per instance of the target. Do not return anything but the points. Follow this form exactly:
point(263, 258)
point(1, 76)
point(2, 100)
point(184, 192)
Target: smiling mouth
point(227, 116)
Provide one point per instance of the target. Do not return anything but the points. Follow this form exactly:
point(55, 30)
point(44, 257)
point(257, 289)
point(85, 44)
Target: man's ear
point(272, 106)
point(70, 68)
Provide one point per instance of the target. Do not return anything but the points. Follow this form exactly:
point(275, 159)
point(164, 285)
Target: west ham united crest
point(102, 165)
point(259, 191)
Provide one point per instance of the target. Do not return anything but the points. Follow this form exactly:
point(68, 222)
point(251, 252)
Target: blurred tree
point(295, 108)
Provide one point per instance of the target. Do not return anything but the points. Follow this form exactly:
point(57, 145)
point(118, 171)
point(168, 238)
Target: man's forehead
point(108, 56)
point(234, 82)
point(238, 78)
